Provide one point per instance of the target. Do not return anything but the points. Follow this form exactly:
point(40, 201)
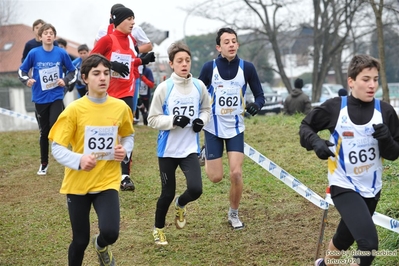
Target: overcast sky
point(79, 20)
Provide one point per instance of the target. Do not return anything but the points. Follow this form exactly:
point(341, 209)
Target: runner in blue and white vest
point(227, 78)
point(364, 131)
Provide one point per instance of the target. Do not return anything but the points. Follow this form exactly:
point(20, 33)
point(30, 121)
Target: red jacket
point(118, 46)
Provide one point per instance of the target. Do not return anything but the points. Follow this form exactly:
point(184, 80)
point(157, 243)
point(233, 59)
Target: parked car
point(327, 91)
point(284, 94)
point(273, 101)
point(393, 91)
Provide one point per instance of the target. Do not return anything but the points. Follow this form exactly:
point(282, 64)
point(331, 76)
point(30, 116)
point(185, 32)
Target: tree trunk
point(381, 50)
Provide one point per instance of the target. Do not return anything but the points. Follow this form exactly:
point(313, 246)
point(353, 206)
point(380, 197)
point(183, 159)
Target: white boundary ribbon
point(285, 177)
point(17, 115)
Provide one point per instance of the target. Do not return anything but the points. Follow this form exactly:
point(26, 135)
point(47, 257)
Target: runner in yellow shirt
point(99, 130)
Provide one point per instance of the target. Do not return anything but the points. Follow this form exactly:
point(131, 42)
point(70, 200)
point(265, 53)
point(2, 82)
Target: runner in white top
point(364, 131)
point(179, 109)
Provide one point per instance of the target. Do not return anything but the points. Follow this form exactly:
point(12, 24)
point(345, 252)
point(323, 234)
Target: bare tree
point(332, 26)
point(378, 9)
point(254, 16)
point(7, 9)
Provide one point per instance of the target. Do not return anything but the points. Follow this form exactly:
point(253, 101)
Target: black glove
point(121, 68)
point(381, 132)
point(322, 150)
point(71, 87)
point(198, 124)
point(147, 58)
point(181, 120)
point(252, 109)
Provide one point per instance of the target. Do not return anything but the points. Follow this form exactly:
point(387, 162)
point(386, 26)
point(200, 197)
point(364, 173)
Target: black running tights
point(192, 171)
point(106, 205)
point(356, 224)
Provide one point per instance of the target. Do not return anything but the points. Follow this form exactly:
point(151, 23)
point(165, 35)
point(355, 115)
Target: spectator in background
point(342, 92)
point(297, 101)
point(35, 42)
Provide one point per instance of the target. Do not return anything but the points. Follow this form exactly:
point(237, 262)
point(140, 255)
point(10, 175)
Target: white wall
point(17, 118)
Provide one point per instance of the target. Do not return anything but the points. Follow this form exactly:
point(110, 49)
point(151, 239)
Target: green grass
point(282, 227)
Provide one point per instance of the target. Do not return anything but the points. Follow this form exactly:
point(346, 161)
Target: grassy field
point(282, 228)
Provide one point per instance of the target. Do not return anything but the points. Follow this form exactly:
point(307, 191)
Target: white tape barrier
point(379, 219)
point(17, 115)
point(285, 177)
point(270, 107)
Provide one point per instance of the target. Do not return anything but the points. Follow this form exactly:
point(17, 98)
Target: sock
point(44, 165)
point(231, 211)
point(98, 247)
point(124, 176)
point(177, 203)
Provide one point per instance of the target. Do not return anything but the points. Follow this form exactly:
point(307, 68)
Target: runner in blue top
point(47, 84)
point(83, 51)
point(226, 79)
point(35, 42)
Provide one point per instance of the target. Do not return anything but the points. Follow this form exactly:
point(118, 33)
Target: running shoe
point(105, 256)
point(180, 219)
point(318, 262)
point(42, 169)
point(235, 222)
point(127, 183)
point(201, 156)
point(159, 236)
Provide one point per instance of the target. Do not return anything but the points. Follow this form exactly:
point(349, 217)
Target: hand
point(147, 58)
point(322, 150)
point(252, 109)
point(88, 162)
point(198, 124)
point(30, 82)
point(121, 68)
point(120, 153)
point(381, 132)
point(61, 82)
point(181, 120)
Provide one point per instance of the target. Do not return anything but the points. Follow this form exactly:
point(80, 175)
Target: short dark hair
point(360, 62)
point(46, 26)
point(62, 42)
point(37, 22)
point(91, 61)
point(83, 47)
point(176, 47)
point(224, 30)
